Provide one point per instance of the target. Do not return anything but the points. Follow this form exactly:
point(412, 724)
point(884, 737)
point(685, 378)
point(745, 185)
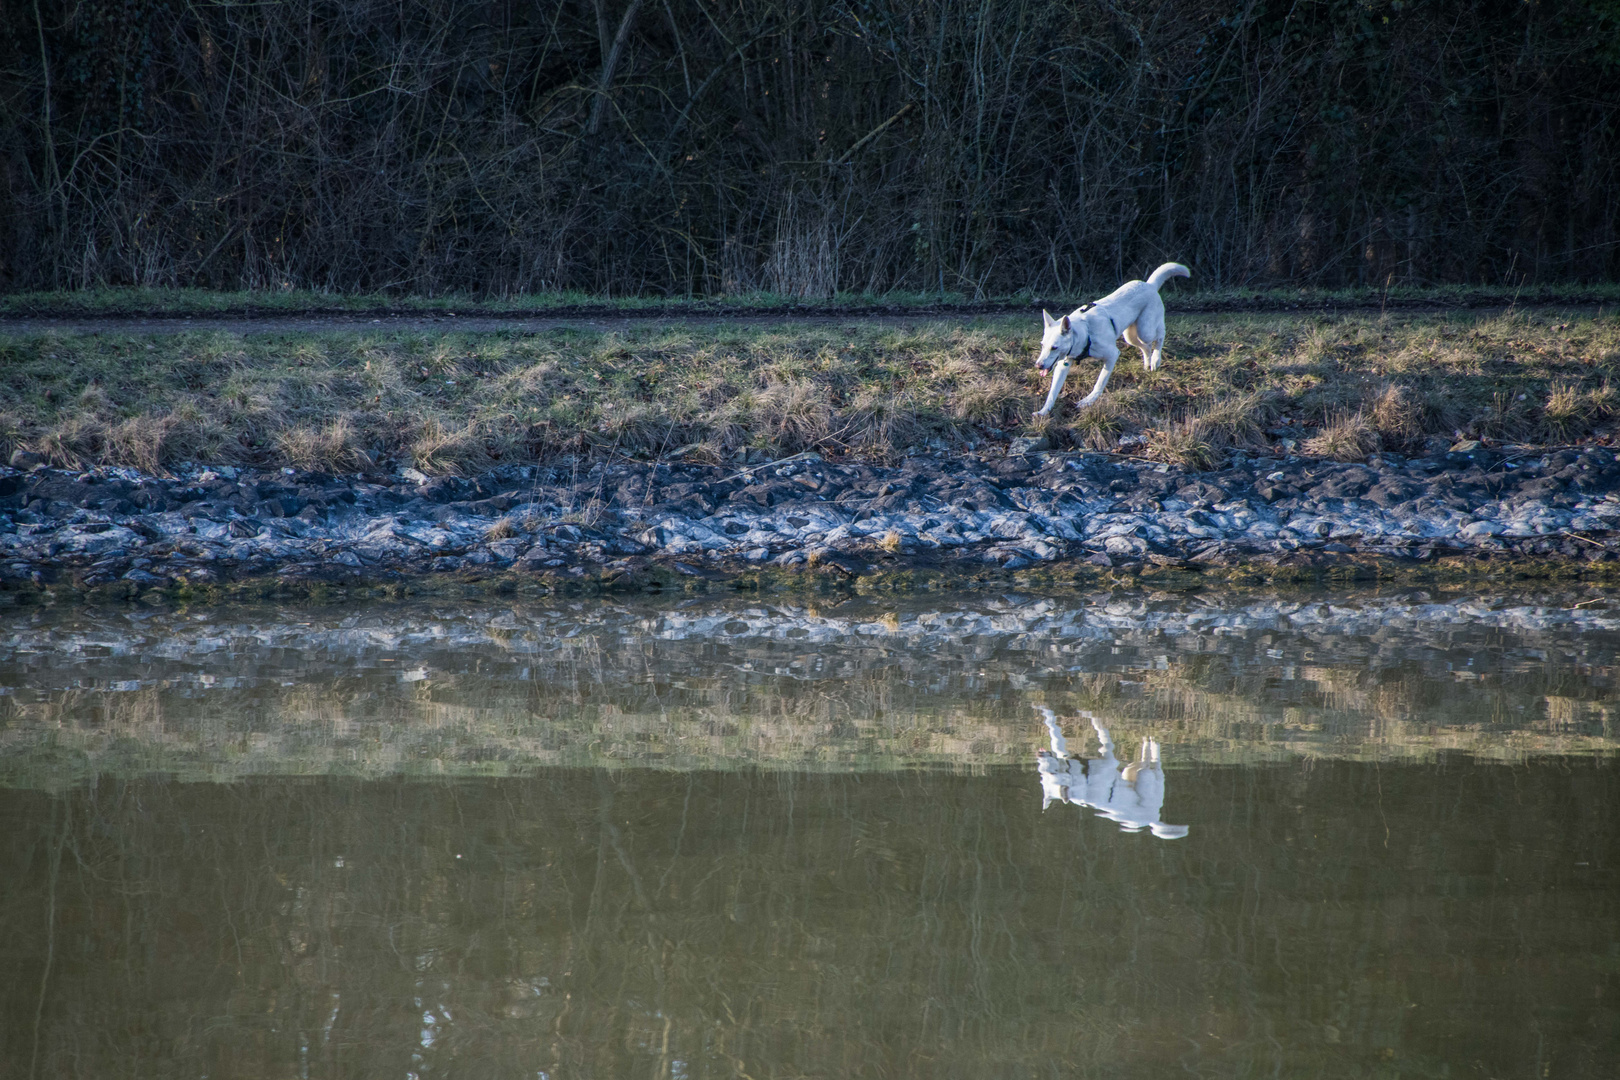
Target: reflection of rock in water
point(1131, 794)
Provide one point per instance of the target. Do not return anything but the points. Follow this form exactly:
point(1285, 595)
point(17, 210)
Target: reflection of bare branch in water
point(1131, 794)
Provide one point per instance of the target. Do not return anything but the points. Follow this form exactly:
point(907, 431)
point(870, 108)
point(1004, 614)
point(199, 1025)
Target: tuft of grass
point(1345, 437)
point(881, 422)
point(1568, 413)
point(12, 428)
point(333, 447)
point(1509, 416)
point(1395, 417)
point(1204, 436)
point(503, 529)
point(1186, 443)
point(1096, 428)
point(792, 414)
point(438, 448)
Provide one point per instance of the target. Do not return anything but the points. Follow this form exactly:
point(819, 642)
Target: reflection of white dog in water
point(1132, 795)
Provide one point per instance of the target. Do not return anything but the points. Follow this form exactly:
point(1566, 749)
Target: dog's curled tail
point(1166, 272)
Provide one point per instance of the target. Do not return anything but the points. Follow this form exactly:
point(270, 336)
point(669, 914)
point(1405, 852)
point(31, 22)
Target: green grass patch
point(1335, 385)
point(154, 302)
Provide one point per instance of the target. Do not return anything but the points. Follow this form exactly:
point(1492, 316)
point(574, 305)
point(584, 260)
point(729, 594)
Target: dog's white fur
point(1134, 311)
point(1131, 794)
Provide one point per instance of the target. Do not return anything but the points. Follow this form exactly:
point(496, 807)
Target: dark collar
point(1087, 350)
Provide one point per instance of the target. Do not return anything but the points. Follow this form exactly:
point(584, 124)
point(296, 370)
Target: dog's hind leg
point(1158, 354)
point(1150, 332)
point(1134, 338)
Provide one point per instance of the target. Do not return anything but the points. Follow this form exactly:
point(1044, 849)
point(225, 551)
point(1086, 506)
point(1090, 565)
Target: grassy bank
point(1334, 385)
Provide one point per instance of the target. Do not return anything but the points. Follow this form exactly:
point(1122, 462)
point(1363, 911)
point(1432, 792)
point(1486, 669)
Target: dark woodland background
point(805, 146)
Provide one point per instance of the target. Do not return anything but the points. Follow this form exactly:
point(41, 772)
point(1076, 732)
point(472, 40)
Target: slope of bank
point(933, 517)
point(445, 400)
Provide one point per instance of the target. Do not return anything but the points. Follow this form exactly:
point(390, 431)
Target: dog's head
point(1060, 338)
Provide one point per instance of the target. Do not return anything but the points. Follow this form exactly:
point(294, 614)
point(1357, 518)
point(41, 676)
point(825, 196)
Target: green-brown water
point(723, 840)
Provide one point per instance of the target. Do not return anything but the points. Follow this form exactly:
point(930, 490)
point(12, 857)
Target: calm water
point(1373, 837)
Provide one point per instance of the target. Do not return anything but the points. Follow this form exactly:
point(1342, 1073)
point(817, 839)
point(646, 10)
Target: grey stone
point(96, 539)
point(1124, 545)
point(1029, 444)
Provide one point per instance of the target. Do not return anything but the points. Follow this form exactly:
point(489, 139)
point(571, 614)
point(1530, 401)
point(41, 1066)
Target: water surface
point(1376, 836)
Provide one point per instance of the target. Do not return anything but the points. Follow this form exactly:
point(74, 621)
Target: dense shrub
point(805, 146)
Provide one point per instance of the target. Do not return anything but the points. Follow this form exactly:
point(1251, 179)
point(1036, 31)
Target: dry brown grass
point(883, 422)
point(438, 448)
point(792, 414)
point(991, 399)
point(1345, 437)
point(503, 529)
point(1189, 444)
point(1395, 417)
point(1203, 437)
point(460, 402)
point(1096, 428)
point(332, 447)
point(1568, 413)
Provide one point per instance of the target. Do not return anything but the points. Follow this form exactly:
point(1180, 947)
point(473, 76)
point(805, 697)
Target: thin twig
point(766, 465)
point(875, 132)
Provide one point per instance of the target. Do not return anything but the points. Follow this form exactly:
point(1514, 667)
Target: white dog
point(1132, 795)
point(1133, 310)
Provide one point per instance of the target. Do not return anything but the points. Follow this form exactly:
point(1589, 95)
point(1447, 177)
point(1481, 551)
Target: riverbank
point(812, 522)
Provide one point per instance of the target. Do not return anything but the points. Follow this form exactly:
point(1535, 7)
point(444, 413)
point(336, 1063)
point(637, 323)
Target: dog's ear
point(1065, 324)
point(1046, 319)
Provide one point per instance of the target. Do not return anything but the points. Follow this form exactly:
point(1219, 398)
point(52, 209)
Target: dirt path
point(412, 323)
point(601, 321)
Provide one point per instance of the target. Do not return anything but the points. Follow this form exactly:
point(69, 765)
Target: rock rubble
point(971, 512)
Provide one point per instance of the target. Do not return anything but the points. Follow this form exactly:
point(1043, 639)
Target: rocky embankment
point(117, 529)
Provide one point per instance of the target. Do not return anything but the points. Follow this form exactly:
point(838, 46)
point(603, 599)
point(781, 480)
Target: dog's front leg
point(1060, 374)
point(1102, 380)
